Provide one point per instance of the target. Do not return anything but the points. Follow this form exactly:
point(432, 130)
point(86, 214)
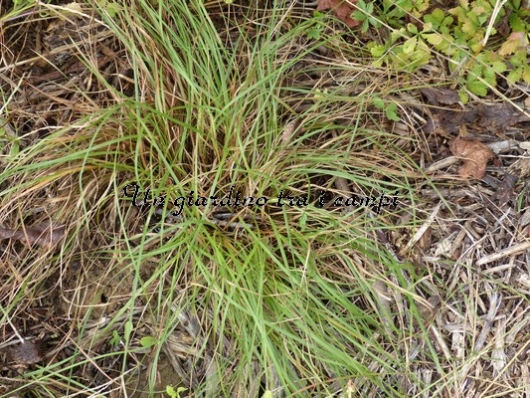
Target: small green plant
point(315, 31)
point(364, 15)
point(404, 50)
point(175, 393)
point(390, 108)
point(395, 10)
point(147, 341)
point(116, 338)
point(466, 34)
point(20, 4)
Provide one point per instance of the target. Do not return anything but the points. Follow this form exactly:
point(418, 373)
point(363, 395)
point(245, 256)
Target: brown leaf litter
point(475, 155)
point(483, 117)
point(43, 234)
point(437, 96)
point(342, 9)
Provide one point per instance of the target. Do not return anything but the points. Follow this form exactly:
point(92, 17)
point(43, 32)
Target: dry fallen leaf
point(492, 118)
point(475, 155)
point(43, 234)
point(342, 10)
point(437, 96)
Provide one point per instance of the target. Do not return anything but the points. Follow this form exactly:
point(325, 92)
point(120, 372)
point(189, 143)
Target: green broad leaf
point(508, 47)
point(113, 9)
point(378, 62)
point(486, 4)
point(378, 50)
point(526, 74)
point(515, 75)
point(427, 27)
point(516, 23)
point(484, 19)
point(435, 39)
point(378, 102)
point(171, 391)
point(375, 22)
point(464, 96)
point(446, 45)
point(477, 87)
point(361, 4)
point(479, 9)
point(359, 16)
point(412, 28)
point(421, 8)
point(447, 21)
point(410, 45)
point(461, 37)
point(397, 34)
point(267, 394)
point(476, 47)
point(314, 33)
point(499, 66)
point(147, 341)
point(391, 113)
point(519, 58)
point(366, 25)
point(490, 77)
point(469, 27)
point(460, 14)
point(175, 393)
point(476, 68)
point(435, 18)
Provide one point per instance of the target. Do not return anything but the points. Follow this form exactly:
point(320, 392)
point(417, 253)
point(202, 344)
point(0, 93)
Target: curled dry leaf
point(475, 155)
point(342, 10)
point(44, 234)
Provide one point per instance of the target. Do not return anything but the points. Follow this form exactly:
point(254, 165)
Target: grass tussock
point(313, 300)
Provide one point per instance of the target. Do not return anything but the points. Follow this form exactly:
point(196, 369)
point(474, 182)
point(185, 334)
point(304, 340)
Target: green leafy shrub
point(478, 54)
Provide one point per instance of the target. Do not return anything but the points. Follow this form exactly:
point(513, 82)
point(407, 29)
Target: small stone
point(25, 353)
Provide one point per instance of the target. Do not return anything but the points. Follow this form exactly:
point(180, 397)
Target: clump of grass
point(313, 303)
point(292, 307)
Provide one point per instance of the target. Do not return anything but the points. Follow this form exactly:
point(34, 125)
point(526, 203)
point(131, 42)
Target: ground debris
point(43, 234)
point(488, 117)
point(475, 154)
point(25, 353)
point(505, 192)
point(342, 10)
point(437, 96)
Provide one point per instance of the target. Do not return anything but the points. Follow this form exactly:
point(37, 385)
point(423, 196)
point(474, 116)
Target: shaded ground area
point(466, 238)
